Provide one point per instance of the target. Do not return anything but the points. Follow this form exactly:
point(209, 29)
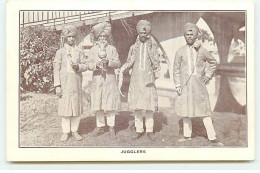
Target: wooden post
point(48, 17)
point(28, 16)
point(23, 18)
point(109, 17)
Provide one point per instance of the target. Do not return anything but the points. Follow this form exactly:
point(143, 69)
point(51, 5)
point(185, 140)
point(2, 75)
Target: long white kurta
point(142, 92)
point(104, 91)
point(194, 100)
point(70, 104)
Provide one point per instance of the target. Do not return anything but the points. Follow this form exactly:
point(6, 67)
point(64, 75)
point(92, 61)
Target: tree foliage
point(38, 46)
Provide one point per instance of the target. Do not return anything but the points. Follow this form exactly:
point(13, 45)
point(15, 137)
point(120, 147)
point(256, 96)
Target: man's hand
point(104, 60)
point(179, 91)
point(204, 79)
point(100, 64)
point(75, 67)
point(58, 91)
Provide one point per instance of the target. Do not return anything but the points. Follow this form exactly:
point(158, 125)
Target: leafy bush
point(38, 46)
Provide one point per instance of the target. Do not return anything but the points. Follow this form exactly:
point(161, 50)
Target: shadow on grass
point(87, 125)
point(124, 120)
point(198, 128)
point(159, 121)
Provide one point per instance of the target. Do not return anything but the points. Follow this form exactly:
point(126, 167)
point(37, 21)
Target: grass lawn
point(41, 126)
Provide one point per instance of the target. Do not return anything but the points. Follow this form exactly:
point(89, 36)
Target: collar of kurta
point(68, 47)
point(196, 44)
point(192, 59)
point(190, 46)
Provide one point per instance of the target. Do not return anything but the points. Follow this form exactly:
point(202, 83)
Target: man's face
point(142, 36)
point(70, 40)
point(190, 37)
point(102, 37)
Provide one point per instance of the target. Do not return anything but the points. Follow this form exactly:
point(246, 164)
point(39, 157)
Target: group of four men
point(190, 77)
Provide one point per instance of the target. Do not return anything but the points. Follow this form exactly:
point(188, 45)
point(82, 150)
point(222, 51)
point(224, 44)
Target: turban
point(68, 31)
point(191, 27)
point(144, 25)
point(100, 28)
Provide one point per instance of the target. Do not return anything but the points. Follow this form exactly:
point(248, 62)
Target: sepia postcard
point(130, 80)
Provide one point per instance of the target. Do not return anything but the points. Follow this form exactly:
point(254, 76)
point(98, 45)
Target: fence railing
point(56, 18)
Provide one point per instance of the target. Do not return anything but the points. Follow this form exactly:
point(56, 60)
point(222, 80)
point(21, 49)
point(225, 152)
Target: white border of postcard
point(14, 153)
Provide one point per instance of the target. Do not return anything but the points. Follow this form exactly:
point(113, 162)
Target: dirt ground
point(40, 126)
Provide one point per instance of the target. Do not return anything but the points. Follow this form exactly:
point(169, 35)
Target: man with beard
point(68, 65)
point(143, 59)
point(105, 97)
point(190, 78)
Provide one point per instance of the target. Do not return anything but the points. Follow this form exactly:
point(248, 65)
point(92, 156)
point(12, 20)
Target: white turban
point(68, 31)
point(144, 25)
point(191, 27)
point(103, 27)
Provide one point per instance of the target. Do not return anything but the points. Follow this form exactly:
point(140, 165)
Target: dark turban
point(100, 28)
point(144, 25)
point(69, 31)
point(191, 27)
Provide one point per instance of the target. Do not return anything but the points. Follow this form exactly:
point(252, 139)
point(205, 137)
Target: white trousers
point(187, 127)
point(139, 121)
point(100, 118)
point(70, 124)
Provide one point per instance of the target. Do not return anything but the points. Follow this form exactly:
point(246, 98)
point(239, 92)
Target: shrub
point(38, 46)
